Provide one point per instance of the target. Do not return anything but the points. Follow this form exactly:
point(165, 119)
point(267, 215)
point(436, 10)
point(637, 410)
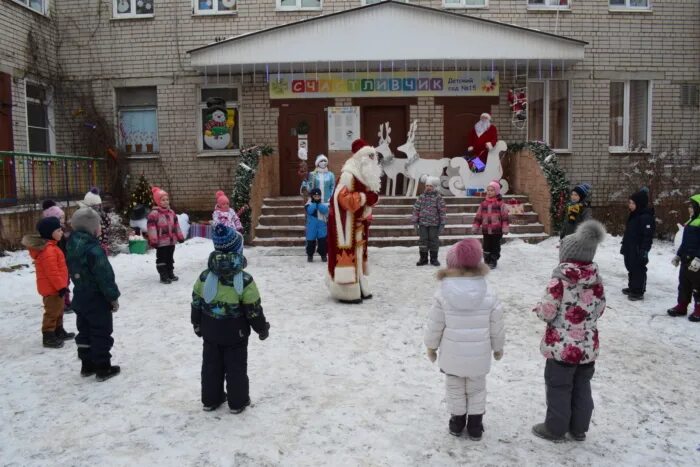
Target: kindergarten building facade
point(187, 83)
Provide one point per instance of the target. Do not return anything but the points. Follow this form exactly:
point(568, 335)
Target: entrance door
point(397, 116)
point(460, 115)
point(307, 115)
point(8, 193)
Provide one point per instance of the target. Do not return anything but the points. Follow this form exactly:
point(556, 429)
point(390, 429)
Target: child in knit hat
point(492, 221)
point(429, 218)
point(571, 306)
point(316, 225)
point(223, 214)
point(95, 297)
point(578, 209)
point(51, 209)
point(163, 234)
point(51, 278)
point(636, 243)
point(225, 306)
point(93, 200)
point(688, 258)
point(466, 324)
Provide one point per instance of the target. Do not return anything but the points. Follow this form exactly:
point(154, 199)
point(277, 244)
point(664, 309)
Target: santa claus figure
point(481, 140)
point(348, 224)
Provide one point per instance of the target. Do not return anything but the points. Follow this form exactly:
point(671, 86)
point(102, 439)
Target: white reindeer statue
point(469, 179)
point(391, 165)
point(417, 167)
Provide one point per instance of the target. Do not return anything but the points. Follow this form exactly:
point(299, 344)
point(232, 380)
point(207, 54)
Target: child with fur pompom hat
point(466, 324)
point(223, 214)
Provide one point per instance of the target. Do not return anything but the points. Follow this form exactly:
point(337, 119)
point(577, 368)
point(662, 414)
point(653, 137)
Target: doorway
point(460, 114)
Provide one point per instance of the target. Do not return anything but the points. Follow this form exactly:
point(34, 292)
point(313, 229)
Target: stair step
point(381, 209)
point(266, 231)
point(390, 200)
point(407, 241)
point(391, 219)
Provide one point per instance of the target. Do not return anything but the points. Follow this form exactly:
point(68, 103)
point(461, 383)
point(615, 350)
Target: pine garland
point(555, 175)
point(243, 181)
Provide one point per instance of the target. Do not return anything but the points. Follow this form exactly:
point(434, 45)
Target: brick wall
point(526, 177)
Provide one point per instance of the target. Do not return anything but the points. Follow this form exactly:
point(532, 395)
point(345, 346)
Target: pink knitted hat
point(466, 254)
point(157, 194)
point(54, 211)
point(496, 186)
point(221, 198)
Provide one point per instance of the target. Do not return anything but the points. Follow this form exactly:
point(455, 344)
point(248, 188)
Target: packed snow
point(341, 384)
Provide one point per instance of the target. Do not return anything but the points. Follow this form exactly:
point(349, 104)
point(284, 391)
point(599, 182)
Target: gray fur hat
point(86, 220)
point(582, 244)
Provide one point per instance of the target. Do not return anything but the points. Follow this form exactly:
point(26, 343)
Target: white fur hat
point(432, 181)
point(92, 198)
point(321, 157)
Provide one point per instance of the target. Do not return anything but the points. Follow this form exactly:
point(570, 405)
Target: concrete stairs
point(282, 222)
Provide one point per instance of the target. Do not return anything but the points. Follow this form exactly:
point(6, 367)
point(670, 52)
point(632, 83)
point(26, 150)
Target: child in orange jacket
point(51, 278)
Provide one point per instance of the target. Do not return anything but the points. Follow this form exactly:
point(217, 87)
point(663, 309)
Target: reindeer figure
point(390, 164)
point(416, 168)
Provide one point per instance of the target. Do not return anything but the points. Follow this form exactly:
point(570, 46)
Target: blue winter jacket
point(316, 219)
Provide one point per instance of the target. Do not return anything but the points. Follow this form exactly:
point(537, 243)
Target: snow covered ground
point(337, 384)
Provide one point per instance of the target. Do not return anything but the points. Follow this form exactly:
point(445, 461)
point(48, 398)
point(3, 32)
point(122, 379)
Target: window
point(548, 4)
point(138, 120)
point(298, 5)
point(549, 113)
point(40, 6)
point(629, 4)
point(219, 119)
point(630, 115)
point(214, 7)
point(133, 8)
point(39, 118)
point(465, 3)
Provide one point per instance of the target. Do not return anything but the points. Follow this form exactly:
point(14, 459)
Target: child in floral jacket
point(163, 233)
point(223, 214)
point(429, 217)
point(571, 307)
point(492, 222)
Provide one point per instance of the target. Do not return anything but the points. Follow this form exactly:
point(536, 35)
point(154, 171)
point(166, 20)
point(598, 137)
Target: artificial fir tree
point(243, 181)
point(140, 195)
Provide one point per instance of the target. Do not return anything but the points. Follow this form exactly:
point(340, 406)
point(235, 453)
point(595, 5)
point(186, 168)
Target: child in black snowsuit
point(636, 243)
point(578, 209)
point(225, 305)
point(688, 257)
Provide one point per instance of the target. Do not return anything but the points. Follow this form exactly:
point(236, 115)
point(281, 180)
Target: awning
point(389, 34)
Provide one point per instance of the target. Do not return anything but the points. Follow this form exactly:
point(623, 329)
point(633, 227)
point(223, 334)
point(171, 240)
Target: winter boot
point(695, 317)
point(543, 432)
point(634, 296)
point(474, 427)
point(310, 258)
point(104, 372)
point(324, 258)
point(51, 341)
point(423, 259)
point(679, 310)
point(578, 436)
point(240, 409)
point(457, 423)
point(209, 408)
point(433, 258)
point(172, 276)
point(63, 335)
point(626, 291)
point(87, 368)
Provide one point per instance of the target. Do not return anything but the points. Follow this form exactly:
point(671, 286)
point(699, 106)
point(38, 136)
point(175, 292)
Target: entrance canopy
point(389, 35)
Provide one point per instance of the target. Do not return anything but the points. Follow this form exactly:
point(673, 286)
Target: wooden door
point(460, 115)
point(293, 116)
point(8, 193)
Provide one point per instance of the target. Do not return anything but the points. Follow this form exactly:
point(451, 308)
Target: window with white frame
point(548, 4)
point(219, 119)
point(215, 7)
point(137, 115)
point(549, 113)
point(40, 6)
point(465, 3)
point(133, 8)
point(298, 5)
point(630, 4)
point(630, 115)
point(39, 118)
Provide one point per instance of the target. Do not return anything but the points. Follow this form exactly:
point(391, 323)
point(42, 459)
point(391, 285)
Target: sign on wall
point(343, 127)
point(398, 84)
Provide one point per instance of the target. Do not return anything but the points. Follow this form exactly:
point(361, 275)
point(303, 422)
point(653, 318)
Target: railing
point(28, 178)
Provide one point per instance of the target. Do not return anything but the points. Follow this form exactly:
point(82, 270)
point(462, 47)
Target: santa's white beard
point(481, 126)
point(371, 173)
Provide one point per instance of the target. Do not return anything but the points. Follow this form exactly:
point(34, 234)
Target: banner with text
point(398, 84)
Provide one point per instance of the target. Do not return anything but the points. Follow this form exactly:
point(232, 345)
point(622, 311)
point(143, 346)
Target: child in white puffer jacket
point(466, 324)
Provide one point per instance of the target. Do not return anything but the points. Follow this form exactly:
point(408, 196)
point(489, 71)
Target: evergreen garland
point(141, 195)
point(556, 177)
point(243, 181)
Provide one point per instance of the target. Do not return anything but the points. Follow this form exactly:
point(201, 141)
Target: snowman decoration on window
point(217, 128)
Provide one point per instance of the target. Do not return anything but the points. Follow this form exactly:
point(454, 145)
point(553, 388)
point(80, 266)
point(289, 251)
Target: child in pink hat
point(466, 324)
point(492, 222)
point(223, 214)
point(163, 234)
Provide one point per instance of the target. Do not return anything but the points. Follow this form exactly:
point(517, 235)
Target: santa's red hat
point(358, 144)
